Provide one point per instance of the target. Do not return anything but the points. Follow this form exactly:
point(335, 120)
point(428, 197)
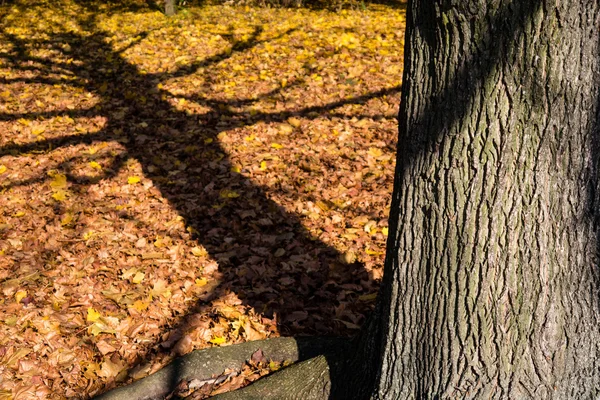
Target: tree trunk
point(170, 7)
point(491, 280)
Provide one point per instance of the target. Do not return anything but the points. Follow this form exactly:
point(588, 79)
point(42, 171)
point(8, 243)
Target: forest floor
point(171, 184)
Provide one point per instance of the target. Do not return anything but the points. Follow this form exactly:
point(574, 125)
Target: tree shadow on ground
point(233, 218)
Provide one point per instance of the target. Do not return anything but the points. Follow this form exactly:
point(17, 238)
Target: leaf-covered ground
point(169, 184)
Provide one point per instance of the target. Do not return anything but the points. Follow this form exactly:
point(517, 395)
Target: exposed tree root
point(307, 380)
point(204, 365)
point(334, 375)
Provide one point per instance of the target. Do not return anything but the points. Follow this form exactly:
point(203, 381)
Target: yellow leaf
point(322, 205)
point(276, 146)
point(91, 369)
point(20, 295)
point(285, 129)
point(38, 130)
point(348, 40)
point(229, 194)
point(132, 180)
point(295, 122)
point(60, 195)
point(140, 305)
point(138, 277)
point(208, 140)
point(92, 315)
point(95, 165)
point(59, 182)
point(2, 169)
point(367, 297)
point(375, 152)
point(236, 169)
point(373, 252)
point(385, 231)
point(284, 82)
point(88, 235)
point(160, 289)
point(263, 165)
point(67, 219)
point(218, 340)
point(19, 214)
point(273, 366)
point(128, 273)
point(199, 251)
point(201, 281)
point(99, 327)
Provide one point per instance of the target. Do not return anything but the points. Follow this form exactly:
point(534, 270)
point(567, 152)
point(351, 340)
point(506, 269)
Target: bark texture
point(170, 7)
point(491, 283)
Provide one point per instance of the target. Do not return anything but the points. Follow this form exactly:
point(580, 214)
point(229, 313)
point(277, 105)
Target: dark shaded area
point(241, 233)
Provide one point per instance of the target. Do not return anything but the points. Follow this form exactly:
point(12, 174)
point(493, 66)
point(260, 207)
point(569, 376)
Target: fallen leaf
point(105, 348)
point(183, 346)
point(59, 182)
point(140, 305)
point(138, 277)
point(201, 282)
point(67, 219)
point(295, 122)
point(92, 315)
point(218, 340)
point(229, 194)
point(110, 369)
point(20, 295)
point(199, 251)
point(59, 195)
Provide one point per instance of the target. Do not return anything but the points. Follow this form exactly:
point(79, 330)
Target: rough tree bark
point(492, 272)
point(170, 7)
point(491, 283)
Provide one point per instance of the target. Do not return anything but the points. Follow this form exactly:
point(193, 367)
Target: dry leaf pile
point(169, 184)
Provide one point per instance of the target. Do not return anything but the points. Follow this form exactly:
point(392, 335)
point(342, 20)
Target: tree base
point(310, 379)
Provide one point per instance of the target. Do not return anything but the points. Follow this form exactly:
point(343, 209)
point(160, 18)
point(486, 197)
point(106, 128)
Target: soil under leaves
point(171, 184)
